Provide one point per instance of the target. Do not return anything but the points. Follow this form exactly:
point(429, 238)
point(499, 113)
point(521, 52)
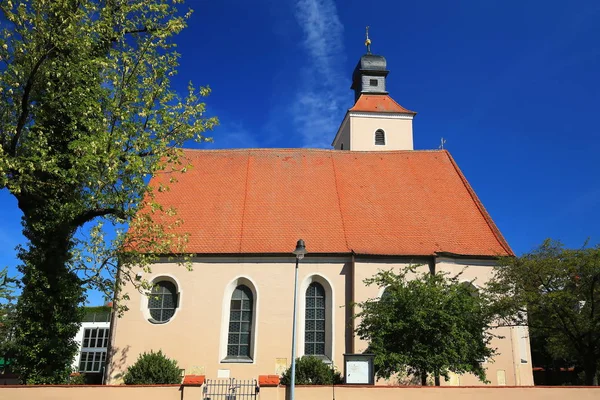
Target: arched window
point(314, 328)
point(342, 146)
point(380, 137)
point(240, 323)
point(162, 301)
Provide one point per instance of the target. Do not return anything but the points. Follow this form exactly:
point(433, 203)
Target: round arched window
point(380, 137)
point(162, 301)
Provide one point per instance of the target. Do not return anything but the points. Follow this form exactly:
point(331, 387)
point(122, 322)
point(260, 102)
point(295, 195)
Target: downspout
point(352, 300)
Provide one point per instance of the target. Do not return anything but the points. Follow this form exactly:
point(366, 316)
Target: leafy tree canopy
point(426, 324)
point(556, 291)
point(87, 116)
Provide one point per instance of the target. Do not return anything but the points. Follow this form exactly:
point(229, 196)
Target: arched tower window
point(240, 323)
point(380, 137)
point(314, 329)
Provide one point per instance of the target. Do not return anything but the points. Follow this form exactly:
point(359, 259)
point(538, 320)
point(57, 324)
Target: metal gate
point(230, 389)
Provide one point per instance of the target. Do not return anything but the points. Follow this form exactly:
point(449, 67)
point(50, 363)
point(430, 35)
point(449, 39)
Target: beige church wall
point(343, 136)
point(506, 369)
point(398, 133)
point(512, 366)
point(196, 336)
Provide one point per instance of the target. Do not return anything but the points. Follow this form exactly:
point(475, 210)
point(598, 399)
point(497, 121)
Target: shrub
point(311, 370)
point(153, 369)
point(77, 378)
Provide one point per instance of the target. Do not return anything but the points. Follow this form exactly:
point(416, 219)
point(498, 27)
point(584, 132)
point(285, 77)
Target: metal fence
point(230, 389)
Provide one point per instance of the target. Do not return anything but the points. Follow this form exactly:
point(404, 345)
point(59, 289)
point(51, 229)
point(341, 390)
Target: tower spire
point(368, 42)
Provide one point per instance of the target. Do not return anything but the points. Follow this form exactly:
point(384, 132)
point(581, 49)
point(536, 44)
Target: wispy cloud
point(323, 93)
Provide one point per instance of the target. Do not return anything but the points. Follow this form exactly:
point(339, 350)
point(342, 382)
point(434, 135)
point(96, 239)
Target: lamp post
point(299, 252)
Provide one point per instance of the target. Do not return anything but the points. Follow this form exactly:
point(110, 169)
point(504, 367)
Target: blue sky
point(513, 87)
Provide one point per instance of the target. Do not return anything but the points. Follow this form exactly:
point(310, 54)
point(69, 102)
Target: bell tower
point(369, 74)
point(376, 121)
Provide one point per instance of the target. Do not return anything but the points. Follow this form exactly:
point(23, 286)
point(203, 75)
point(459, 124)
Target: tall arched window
point(162, 301)
point(380, 137)
point(240, 324)
point(314, 328)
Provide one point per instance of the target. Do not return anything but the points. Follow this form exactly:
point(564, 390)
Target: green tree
point(426, 324)
point(88, 114)
point(153, 369)
point(556, 292)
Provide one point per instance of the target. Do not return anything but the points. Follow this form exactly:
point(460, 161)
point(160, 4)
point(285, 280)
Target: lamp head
point(300, 249)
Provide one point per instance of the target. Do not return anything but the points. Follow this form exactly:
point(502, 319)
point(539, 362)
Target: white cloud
point(318, 105)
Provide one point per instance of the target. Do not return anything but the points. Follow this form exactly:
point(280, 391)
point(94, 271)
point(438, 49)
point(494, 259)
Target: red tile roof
point(379, 103)
point(268, 380)
point(376, 203)
point(193, 380)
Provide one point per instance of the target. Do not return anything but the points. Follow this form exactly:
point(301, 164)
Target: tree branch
point(25, 103)
point(89, 215)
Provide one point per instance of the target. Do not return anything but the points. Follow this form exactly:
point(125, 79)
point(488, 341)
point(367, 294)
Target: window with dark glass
point(380, 137)
point(95, 337)
point(240, 323)
point(162, 301)
point(314, 331)
point(92, 361)
point(374, 82)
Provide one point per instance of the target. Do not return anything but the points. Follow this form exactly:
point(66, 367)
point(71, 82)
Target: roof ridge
point(337, 192)
point(244, 202)
point(305, 149)
point(401, 106)
point(484, 213)
point(364, 100)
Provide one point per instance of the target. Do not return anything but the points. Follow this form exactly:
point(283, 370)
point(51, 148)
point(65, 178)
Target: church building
point(371, 203)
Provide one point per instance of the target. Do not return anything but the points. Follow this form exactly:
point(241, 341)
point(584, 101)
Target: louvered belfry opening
point(380, 137)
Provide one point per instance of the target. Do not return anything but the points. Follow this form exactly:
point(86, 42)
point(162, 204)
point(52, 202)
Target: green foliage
point(47, 315)
point(311, 370)
point(153, 369)
point(88, 115)
point(425, 324)
point(556, 292)
point(7, 339)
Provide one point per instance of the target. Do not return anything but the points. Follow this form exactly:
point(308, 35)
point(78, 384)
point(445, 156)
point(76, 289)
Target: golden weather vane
point(368, 42)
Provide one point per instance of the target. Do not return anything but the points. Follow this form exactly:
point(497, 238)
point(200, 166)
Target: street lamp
point(299, 252)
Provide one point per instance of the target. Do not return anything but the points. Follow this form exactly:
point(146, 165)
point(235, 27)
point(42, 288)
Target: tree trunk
point(437, 379)
point(49, 314)
point(423, 378)
point(49, 309)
